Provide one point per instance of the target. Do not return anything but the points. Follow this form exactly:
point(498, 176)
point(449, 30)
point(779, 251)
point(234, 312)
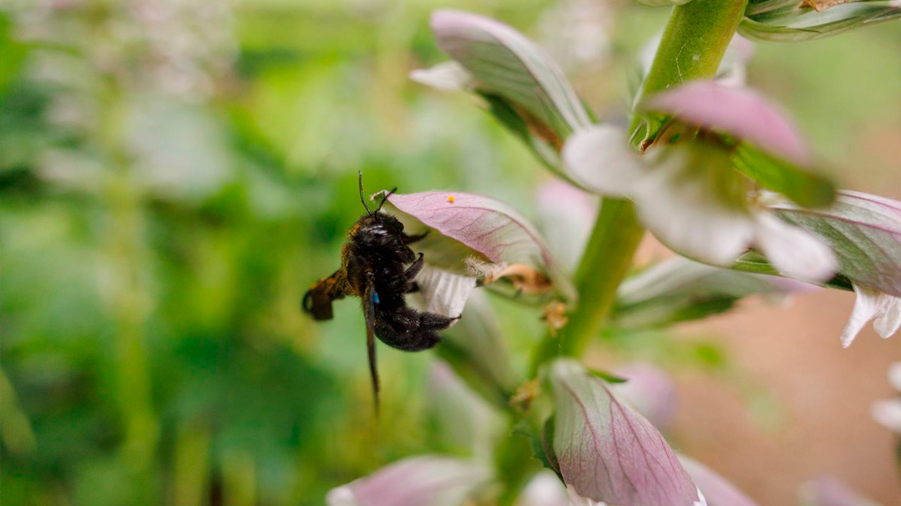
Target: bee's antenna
point(385, 198)
point(362, 198)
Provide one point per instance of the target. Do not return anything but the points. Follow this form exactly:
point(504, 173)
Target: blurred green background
point(174, 174)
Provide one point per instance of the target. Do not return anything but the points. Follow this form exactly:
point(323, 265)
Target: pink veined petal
point(417, 481)
point(600, 159)
point(608, 452)
point(794, 251)
point(688, 214)
point(737, 111)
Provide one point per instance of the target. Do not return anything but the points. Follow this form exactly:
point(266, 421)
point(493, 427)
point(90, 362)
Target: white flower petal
point(545, 489)
point(793, 250)
point(887, 413)
point(576, 500)
point(447, 76)
point(701, 500)
point(600, 158)
point(341, 496)
point(444, 292)
point(888, 322)
point(688, 213)
point(894, 375)
point(869, 304)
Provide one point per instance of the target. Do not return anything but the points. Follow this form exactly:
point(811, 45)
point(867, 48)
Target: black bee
point(378, 266)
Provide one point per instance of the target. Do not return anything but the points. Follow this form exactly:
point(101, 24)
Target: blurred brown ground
point(823, 394)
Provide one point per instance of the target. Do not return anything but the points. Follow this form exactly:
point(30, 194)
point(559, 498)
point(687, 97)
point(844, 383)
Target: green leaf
point(781, 21)
point(799, 185)
point(606, 376)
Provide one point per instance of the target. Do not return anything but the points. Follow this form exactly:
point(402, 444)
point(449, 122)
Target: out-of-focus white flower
point(447, 76)
point(871, 304)
point(828, 491)
point(888, 412)
point(577, 33)
point(545, 489)
point(690, 197)
point(418, 481)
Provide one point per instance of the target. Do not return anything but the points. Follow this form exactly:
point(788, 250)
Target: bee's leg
point(413, 288)
point(414, 268)
point(370, 298)
point(410, 239)
point(411, 330)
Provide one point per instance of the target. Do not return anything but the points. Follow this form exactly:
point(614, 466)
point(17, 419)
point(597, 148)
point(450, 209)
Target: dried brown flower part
point(821, 5)
point(523, 277)
point(554, 314)
point(522, 399)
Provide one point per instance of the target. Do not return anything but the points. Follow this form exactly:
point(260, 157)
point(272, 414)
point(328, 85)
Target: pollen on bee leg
point(450, 199)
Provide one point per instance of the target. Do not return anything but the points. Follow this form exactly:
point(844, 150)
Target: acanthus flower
point(689, 194)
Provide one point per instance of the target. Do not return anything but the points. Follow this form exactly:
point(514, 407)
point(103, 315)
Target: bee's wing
point(318, 299)
point(369, 297)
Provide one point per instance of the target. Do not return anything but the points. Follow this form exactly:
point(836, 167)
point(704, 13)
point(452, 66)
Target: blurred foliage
point(174, 175)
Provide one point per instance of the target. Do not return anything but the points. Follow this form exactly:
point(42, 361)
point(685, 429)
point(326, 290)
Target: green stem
point(693, 44)
point(604, 265)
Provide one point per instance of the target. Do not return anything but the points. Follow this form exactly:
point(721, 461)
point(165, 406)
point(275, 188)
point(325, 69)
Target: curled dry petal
point(608, 452)
point(872, 304)
point(465, 224)
point(864, 231)
point(418, 481)
point(741, 113)
point(716, 489)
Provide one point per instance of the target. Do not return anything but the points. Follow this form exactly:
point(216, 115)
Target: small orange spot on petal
point(450, 198)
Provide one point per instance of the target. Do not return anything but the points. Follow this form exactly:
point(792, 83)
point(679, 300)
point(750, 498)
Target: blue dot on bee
point(375, 297)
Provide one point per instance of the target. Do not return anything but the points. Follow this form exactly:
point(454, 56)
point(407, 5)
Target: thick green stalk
point(693, 44)
point(694, 41)
point(604, 264)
